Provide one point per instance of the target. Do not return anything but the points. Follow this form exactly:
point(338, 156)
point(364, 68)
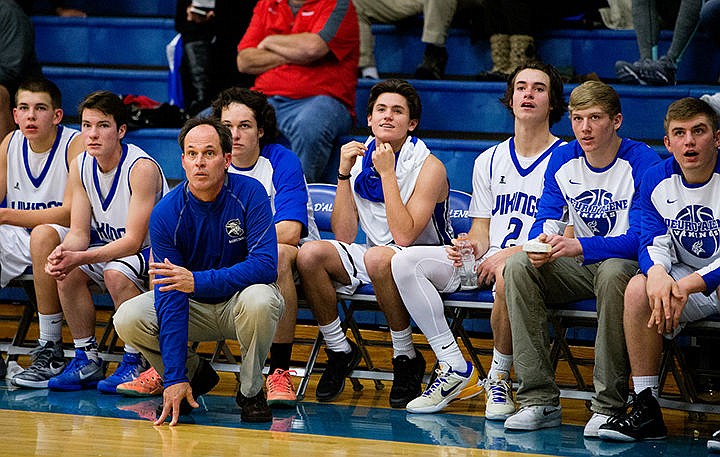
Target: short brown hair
point(107, 103)
point(592, 93)
point(687, 108)
point(397, 86)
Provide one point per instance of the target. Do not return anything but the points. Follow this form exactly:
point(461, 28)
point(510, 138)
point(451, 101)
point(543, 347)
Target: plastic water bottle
point(468, 274)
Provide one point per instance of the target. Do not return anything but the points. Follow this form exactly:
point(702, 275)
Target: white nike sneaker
point(593, 425)
point(499, 404)
point(448, 386)
point(535, 418)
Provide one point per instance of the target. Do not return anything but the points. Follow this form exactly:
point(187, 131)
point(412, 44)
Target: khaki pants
point(438, 15)
point(249, 316)
point(528, 289)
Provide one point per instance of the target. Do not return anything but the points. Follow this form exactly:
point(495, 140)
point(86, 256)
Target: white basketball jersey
point(506, 188)
point(109, 193)
point(37, 180)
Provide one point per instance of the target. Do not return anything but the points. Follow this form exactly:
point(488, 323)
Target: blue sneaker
point(130, 368)
point(80, 373)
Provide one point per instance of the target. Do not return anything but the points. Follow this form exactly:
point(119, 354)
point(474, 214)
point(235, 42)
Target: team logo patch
point(233, 228)
point(697, 229)
point(598, 210)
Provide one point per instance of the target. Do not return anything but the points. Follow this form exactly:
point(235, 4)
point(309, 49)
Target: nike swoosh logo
point(445, 393)
point(84, 375)
point(56, 322)
point(574, 182)
point(445, 347)
point(547, 412)
point(670, 202)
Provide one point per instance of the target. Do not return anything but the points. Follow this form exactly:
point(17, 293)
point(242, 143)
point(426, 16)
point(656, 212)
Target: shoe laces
point(280, 381)
point(40, 356)
point(78, 362)
point(149, 376)
point(127, 368)
point(627, 418)
point(499, 389)
point(441, 373)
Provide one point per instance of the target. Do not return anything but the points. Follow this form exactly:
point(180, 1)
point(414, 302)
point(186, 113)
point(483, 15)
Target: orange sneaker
point(280, 391)
point(149, 383)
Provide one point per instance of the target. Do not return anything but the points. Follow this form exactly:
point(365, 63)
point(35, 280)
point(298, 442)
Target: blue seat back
point(459, 203)
point(323, 198)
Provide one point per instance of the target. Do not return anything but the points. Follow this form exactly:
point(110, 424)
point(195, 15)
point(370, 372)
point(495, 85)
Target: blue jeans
point(312, 126)
point(710, 20)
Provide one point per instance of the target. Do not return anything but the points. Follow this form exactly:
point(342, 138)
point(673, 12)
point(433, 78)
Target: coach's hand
point(172, 277)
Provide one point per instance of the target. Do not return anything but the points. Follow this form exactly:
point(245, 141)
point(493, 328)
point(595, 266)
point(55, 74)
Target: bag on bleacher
point(148, 113)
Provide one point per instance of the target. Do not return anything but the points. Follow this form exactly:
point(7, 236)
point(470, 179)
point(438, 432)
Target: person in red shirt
point(305, 55)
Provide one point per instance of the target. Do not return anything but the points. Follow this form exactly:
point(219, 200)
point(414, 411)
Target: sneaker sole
point(429, 409)
point(287, 403)
point(135, 393)
point(498, 416)
point(614, 435)
point(29, 384)
point(528, 427)
point(73, 387)
point(713, 445)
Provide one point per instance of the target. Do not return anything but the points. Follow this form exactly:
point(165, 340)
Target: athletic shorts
point(352, 258)
point(699, 305)
point(134, 267)
point(15, 251)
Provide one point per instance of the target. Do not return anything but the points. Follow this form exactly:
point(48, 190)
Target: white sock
point(500, 364)
point(402, 343)
point(641, 383)
point(89, 345)
point(447, 350)
point(50, 327)
point(131, 350)
point(335, 338)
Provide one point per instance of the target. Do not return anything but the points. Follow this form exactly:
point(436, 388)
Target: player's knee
point(636, 296)
point(378, 260)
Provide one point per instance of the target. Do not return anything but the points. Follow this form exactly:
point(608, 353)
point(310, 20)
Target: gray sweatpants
point(529, 289)
point(249, 316)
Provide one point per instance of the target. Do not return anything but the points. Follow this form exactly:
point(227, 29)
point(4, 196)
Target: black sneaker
point(407, 379)
point(47, 361)
point(254, 409)
point(659, 72)
point(644, 421)
point(433, 64)
point(203, 381)
point(339, 366)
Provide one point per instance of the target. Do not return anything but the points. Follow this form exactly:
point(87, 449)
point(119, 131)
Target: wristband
point(342, 177)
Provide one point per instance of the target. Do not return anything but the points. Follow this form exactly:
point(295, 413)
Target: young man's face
point(35, 115)
point(204, 162)
point(245, 133)
point(101, 133)
point(390, 119)
point(594, 129)
point(531, 95)
point(694, 144)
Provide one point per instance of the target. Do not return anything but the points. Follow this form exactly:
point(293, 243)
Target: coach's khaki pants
point(249, 316)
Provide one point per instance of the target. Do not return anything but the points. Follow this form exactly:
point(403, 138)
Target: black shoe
point(253, 409)
point(339, 366)
point(407, 379)
point(433, 64)
point(3, 367)
point(644, 421)
point(203, 381)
